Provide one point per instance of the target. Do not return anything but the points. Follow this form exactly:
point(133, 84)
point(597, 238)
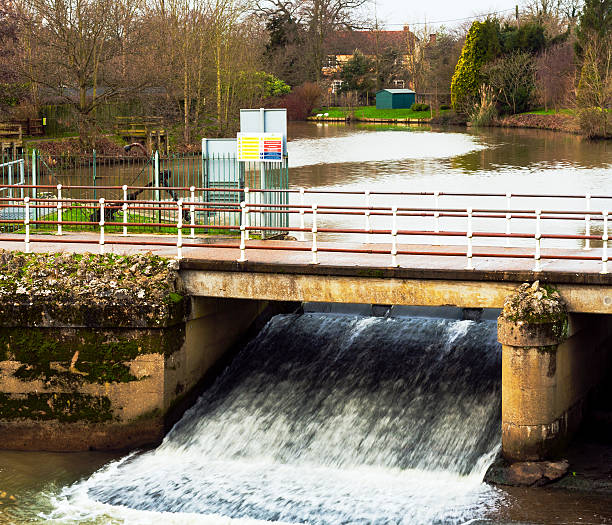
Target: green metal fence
point(219, 180)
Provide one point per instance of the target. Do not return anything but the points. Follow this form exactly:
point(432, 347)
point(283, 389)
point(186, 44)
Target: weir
point(326, 418)
point(105, 352)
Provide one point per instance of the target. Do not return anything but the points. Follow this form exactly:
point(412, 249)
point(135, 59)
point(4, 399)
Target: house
point(342, 45)
point(395, 98)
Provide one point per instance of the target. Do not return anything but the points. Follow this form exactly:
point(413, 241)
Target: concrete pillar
point(550, 363)
point(535, 424)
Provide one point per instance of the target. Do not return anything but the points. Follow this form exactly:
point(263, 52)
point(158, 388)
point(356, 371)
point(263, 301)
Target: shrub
point(484, 112)
point(594, 123)
point(301, 101)
point(512, 77)
point(419, 107)
point(445, 106)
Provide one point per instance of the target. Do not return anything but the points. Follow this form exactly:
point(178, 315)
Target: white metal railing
point(388, 231)
point(10, 179)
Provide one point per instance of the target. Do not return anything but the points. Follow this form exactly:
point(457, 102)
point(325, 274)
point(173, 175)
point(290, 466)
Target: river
point(312, 424)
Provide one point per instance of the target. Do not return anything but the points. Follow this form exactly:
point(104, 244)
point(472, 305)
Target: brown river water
point(38, 487)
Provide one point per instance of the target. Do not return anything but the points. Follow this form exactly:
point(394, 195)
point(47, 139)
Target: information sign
point(263, 147)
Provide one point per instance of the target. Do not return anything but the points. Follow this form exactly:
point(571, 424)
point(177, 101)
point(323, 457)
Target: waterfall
point(324, 419)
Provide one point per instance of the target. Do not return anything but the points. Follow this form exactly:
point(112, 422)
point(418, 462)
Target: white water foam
point(322, 419)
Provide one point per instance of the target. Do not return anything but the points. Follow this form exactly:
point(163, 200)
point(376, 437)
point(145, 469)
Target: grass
point(372, 112)
point(549, 112)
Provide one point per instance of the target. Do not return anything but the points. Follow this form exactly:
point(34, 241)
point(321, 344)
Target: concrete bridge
point(551, 359)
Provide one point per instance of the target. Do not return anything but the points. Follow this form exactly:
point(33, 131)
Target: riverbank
point(554, 122)
point(372, 114)
point(564, 121)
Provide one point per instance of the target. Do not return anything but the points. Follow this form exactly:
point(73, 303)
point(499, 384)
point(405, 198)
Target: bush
point(484, 112)
point(594, 123)
point(445, 106)
point(512, 78)
point(419, 107)
point(301, 101)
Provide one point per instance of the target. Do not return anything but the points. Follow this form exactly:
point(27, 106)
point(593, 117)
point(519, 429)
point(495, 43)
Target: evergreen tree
point(482, 45)
point(357, 74)
point(595, 23)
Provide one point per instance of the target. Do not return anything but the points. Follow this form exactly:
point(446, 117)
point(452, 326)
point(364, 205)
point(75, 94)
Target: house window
point(331, 61)
point(336, 85)
point(400, 84)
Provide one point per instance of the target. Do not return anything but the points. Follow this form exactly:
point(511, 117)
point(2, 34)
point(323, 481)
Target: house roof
point(397, 90)
point(368, 42)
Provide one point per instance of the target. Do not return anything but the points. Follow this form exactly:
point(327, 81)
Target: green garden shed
point(395, 98)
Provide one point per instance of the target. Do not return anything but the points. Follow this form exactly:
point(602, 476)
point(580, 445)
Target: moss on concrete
point(66, 408)
point(89, 290)
point(537, 304)
point(73, 356)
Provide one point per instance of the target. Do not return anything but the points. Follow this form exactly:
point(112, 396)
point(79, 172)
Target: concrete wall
point(545, 387)
point(64, 411)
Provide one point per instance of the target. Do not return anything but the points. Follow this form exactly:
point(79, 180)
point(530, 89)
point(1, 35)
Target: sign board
point(263, 147)
point(218, 156)
point(265, 121)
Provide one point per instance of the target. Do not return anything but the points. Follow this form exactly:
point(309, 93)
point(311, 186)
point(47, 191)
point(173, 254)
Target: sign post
point(263, 138)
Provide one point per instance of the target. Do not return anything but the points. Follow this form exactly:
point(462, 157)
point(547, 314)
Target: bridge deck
point(425, 280)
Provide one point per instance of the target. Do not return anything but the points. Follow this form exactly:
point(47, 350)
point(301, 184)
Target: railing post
point(538, 235)
point(22, 175)
point(125, 209)
point(59, 209)
point(315, 255)
point(247, 219)
point(368, 225)
point(10, 179)
point(302, 236)
point(34, 180)
point(179, 230)
point(157, 183)
point(469, 235)
point(604, 245)
point(26, 222)
point(243, 231)
point(508, 217)
point(394, 262)
point(192, 210)
point(587, 222)
point(436, 240)
point(101, 201)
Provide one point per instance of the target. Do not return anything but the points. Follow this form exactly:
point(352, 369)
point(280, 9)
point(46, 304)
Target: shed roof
point(396, 90)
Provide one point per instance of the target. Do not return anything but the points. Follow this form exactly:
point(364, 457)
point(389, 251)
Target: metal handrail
point(180, 206)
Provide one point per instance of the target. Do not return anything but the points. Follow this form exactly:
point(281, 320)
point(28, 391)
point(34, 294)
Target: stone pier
point(551, 361)
point(102, 352)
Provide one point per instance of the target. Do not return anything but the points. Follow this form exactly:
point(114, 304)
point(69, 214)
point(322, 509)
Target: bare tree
point(76, 47)
point(594, 95)
point(9, 55)
point(318, 20)
point(555, 74)
point(512, 76)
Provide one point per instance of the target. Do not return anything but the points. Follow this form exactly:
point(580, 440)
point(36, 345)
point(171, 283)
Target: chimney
point(407, 29)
